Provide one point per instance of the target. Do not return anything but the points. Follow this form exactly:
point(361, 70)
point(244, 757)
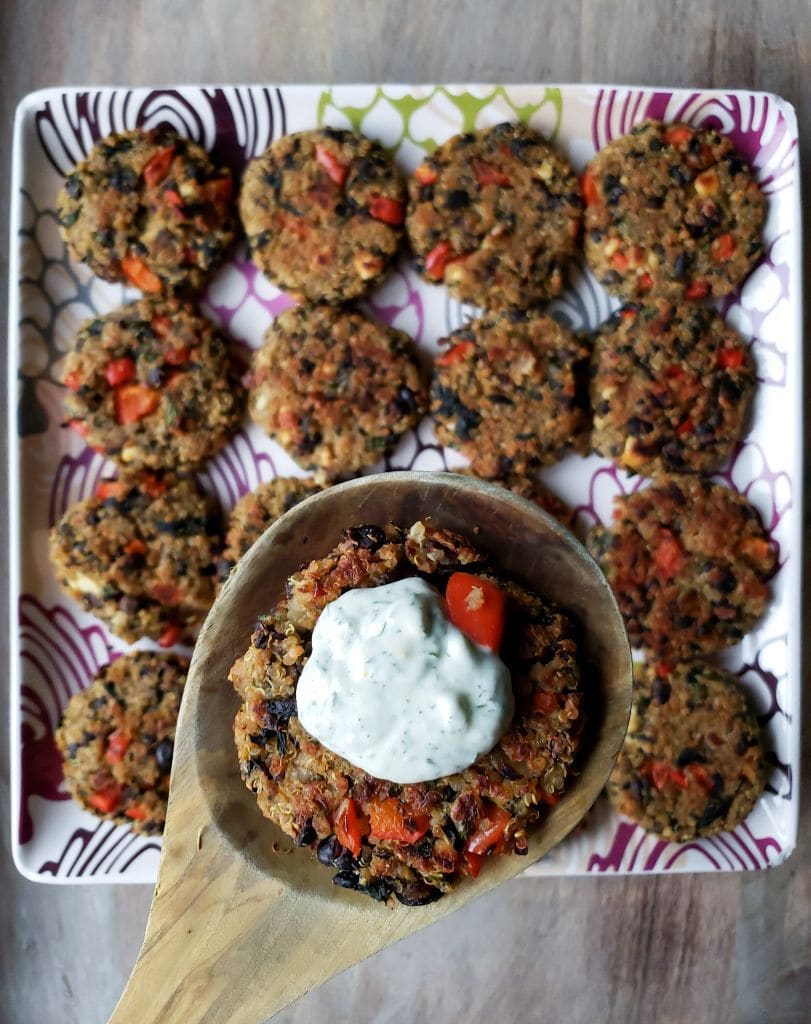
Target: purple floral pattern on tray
point(61, 647)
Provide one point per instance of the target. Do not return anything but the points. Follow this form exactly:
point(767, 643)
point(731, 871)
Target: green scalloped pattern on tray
point(469, 107)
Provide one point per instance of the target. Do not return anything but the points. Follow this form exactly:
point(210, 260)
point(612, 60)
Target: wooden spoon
point(242, 923)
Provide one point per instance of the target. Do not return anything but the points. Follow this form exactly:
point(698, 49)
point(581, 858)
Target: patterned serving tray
point(56, 647)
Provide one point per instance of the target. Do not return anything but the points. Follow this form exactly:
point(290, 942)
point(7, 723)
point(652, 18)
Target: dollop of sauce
point(397, 689)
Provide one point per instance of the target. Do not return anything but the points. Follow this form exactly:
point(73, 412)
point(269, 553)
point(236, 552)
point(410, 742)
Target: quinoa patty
point(671, 388)
point(141, 555)
point(306, 789)
point(672, 210)
point(256, 511)
point(148, 208)
point(117, 739)
point(323, 212)
point(688, 561)
point(495, 214)
point(510, 393)
point(153, 385)
point(692, 763)
point(335, 389)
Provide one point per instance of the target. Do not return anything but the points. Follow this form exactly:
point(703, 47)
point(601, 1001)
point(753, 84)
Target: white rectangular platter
point(56, 647)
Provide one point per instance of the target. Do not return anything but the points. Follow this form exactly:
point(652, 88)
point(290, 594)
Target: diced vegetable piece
point(176, 356)
point(117, 745)
point(106, 800)
point(730, 358)
point(722, 248)
point(685, 427)
point(331, 164)
point(438, 259)
point(387, 210)
point(119, 371)
point(72, 381)
point(478, 607)
point(135, 547)
point(133, 402)
point(455, 354)
point(473, 862)
point(390, 820)
point(137, 812)
point(170, 636)
point(173, 198)
point(486, 174)
point(490, 830)
point(81, 428)
point(111, 489)
point(697, 290)
point(591, 196)
point(350, 825)
point(677, 135)
point(426, 175)
point(139, 274)
point(669, 557)
point(158, 166)
point(161, 324)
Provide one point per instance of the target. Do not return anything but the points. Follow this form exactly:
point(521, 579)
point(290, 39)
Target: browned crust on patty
point(495, 215)
point(323, 212)
point(117, 739)
point(688, 561)
point(692, 763)
point(672, 210)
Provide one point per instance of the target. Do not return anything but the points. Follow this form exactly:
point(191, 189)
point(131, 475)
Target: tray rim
point(795, 388)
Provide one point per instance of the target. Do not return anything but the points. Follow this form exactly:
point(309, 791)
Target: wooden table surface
point(731, 948)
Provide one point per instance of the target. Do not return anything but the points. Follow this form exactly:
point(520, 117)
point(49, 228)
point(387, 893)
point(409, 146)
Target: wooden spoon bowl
point(242, 923)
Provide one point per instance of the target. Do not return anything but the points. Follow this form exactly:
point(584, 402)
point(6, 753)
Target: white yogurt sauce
point(397, 689)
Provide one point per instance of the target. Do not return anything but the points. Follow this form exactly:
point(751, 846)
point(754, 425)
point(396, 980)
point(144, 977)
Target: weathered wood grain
point(624, 951)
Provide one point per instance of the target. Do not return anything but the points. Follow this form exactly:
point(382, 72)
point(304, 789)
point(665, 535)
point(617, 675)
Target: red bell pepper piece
point(117, 744)
point(119, 371)
point(139, 274)
point(157, 167)
point(350, 825)
point(455, 353)
point(477, 607)
point(137, 812)
point(72, 381)
point(133, 402)
point(730, 358)
point(677, 135)
point(437, 260)
point(486, 174)
point(697, 290)
point(331, 164)
point(161, 325)
point(490, 830)
point(669, 557)
point(106, 800)
point(722, 248)
point(111, 489)
point(426, 175)
point(176, 356)
point(591, 195)
point(387, 210)
point(170, 636)
point(390, 820)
